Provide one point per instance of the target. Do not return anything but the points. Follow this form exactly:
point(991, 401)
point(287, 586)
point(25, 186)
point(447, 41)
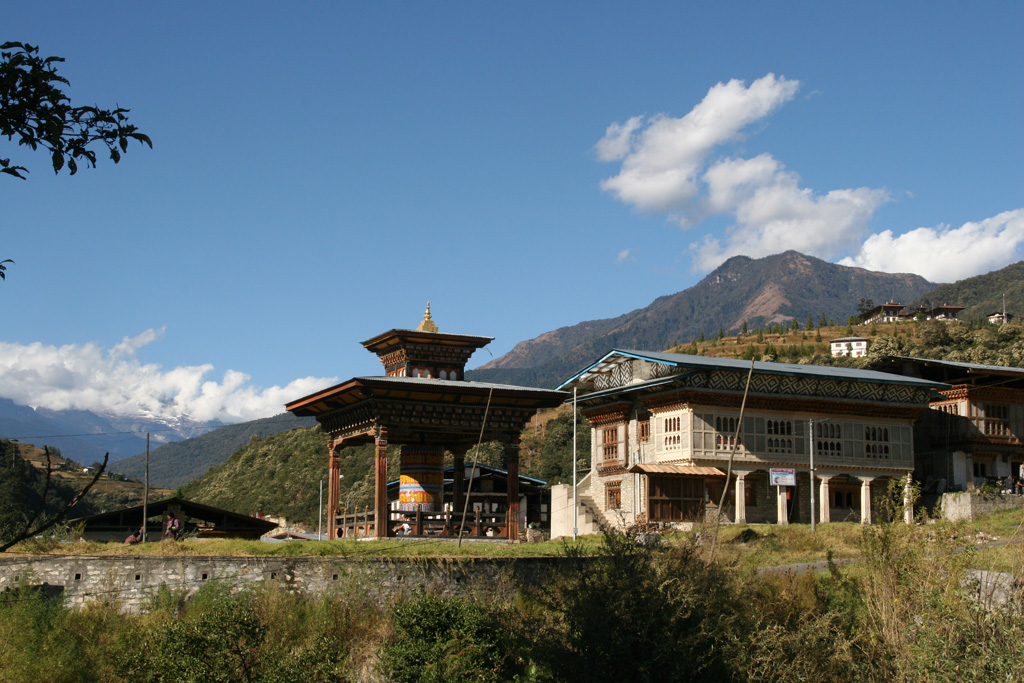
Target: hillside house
point(664, 426)
point(886, 313)
point(998, 318)
point(893, 312)
point(942, 312)
point(855, 347)
point(972, 433)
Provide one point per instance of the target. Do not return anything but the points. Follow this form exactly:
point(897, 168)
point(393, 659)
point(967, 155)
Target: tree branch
point(26, 534)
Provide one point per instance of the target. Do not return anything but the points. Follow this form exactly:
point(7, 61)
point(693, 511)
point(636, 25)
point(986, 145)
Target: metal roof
point(970, 367)
point(688, 361)
point(360, 388)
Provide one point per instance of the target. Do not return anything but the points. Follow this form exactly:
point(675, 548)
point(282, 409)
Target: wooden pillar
point(333, 487)
point(512, 487)
point(380, 481)
point(458, 486)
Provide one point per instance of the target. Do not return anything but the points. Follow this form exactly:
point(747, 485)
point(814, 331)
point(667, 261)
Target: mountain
point(774, 289)
point(85, 436)
point(177, 463)
point(281, 474)
point(982, 294)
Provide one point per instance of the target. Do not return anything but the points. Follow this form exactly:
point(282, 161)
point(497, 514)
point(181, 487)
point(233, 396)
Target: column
point(908, 499)
point(782, 508)
point(865, 499)
point(512, 488)
point(824, 500)
point(333, 487)
point(741, 498)
point(380, 482)
point(458, 487)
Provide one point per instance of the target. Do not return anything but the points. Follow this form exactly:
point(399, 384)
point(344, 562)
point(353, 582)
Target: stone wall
point(133, 582)
point(968, 505)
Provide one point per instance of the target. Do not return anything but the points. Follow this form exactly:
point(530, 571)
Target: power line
point(166, 429)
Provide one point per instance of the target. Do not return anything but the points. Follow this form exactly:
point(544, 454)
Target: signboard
point(783, 476)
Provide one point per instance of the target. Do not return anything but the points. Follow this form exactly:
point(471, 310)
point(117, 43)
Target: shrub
point(635, 614)
point(440, 639)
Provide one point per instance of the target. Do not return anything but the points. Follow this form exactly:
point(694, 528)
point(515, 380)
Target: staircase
point(589, 518)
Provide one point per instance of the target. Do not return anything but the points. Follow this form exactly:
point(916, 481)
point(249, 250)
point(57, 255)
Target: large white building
point(855, 347)
point(665, 426)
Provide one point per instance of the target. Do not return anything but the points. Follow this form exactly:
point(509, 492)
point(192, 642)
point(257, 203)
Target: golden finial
point(427, 325)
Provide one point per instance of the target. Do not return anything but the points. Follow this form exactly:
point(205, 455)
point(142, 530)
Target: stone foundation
point(133, 582)
point(968, 505)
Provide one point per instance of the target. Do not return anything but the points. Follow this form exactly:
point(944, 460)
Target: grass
point(352, 549)
point(743, 547)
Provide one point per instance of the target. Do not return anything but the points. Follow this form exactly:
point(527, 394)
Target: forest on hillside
point(977, 342)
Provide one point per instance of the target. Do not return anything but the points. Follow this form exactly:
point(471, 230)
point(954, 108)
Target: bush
point(440, 639)
point(635, 614)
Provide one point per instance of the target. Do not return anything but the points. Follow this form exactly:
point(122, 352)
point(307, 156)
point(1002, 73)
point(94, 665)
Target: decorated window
point(644, 430)
point(613, 495)
point(610, 443)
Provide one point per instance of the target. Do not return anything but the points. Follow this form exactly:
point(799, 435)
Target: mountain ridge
point(773, 289)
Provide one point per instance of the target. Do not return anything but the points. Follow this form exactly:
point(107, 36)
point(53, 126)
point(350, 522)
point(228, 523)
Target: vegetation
point(910, 610)
point(977, 342)
point(33, 500)
point(280, 476)
point(35, 110)
point(547, 449)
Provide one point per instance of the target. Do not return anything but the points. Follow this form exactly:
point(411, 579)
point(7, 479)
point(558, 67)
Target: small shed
point(197, 519)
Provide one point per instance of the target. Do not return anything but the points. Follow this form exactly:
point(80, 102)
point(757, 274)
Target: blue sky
point(321, 170)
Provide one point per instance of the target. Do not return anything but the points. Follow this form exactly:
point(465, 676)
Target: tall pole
point(145, 500)
point(810, 425)
point(320, 520)
point(575, 500)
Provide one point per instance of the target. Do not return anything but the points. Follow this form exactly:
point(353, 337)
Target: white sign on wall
point(783, 476)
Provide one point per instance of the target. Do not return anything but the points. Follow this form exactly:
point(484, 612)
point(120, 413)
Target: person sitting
point(134, 538)
point(172, 526)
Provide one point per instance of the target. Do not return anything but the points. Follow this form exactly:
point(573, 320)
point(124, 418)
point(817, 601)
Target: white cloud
point(616, 142)
point(945, 254)
point(623, 255)
point(668, 165)
point(87, 377)
point(661, 162)
point(773, 213)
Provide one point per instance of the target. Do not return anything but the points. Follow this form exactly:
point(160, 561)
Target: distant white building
point(998, 318)
point(855, 347)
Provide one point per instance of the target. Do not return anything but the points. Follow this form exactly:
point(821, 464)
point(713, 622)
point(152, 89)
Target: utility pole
point(814, 521)
point(320, 520)
point(575, 501)
point(145, 500)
